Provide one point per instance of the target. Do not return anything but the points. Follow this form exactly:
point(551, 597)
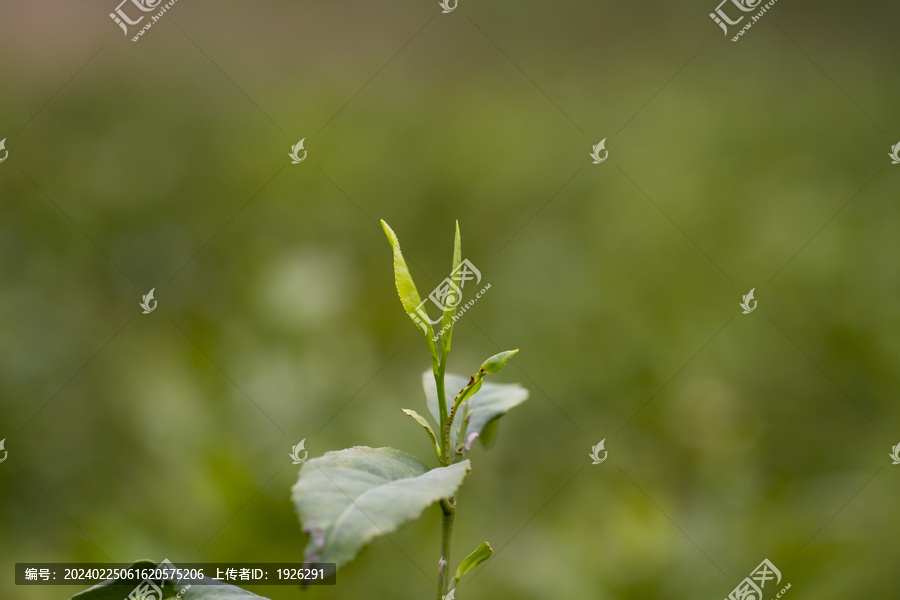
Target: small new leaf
point(491, 402)
point(469, 390)
point(406, 289)
point(481, 554)
point(450, 311)
point(427, 427)
point(497, 362)
point(492, 365)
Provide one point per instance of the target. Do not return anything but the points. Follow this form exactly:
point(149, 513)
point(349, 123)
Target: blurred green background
point(732, 438)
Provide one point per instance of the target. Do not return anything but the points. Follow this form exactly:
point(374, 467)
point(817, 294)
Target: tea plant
point(347, 498)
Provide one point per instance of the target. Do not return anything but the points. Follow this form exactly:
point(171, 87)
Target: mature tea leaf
point(347, 498)
point(218, 592)
point(491, 402)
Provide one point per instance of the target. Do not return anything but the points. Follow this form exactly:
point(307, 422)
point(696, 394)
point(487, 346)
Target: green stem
point(461, 436)
point(448, 508)
point(442, 407)
point(446, 432)
point(457, 402)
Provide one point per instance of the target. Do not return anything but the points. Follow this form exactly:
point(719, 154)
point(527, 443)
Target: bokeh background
point(732, 438)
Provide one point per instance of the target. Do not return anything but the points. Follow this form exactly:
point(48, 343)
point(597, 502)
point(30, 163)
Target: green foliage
point(450, 311)
point(478, 556)
point(218, 592)
point(427, 427)
point(406, 288)
point(486, 406)
point(604, 275)
point(495, 363)
point(347, 498)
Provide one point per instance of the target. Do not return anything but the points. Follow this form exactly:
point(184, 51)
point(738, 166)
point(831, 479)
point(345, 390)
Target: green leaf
point(491, 402)
point(212, 590)
point(218, 592)
point(469, 391)
point(406, 287)
point(427, 426)
point(409, 295)
point(481, 554)
point(497, 362)
point(489, 367)
point(447, 320)
point(347, 498)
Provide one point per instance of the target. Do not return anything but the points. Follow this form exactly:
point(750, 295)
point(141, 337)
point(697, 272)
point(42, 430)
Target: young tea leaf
point(469, 391)
point(347, 498)
point(450, 311)
point(481, 554)
point(406, 287)
point(427, 426)
point(491, 402)
point(497, 362)
point(409, 295)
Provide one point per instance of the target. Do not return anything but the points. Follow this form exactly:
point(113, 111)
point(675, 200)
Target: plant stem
point(446, 433)
point(448, 508)
point(461, 436)
point(460, 399)
point(442, 407)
